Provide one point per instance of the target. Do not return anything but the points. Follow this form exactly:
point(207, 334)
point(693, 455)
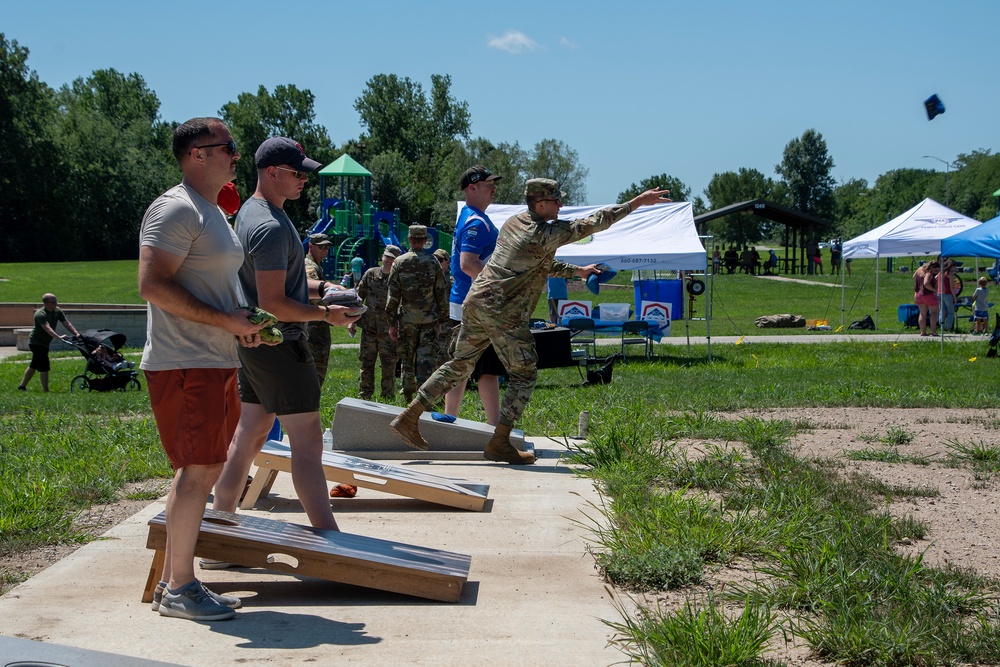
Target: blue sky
point(636, 88)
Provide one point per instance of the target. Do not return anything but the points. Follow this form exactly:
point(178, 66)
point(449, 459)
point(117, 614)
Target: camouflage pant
point(515, 347)
point(418, 350)
point(445, 342)
point(376, 345)
point(319, 345)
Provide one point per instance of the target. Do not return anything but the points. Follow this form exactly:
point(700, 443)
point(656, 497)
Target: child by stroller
point(105, 369)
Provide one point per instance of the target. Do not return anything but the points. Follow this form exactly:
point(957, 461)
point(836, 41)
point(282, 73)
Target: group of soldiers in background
point(407, 320)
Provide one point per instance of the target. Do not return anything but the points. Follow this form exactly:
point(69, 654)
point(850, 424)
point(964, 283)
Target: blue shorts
point(981, 314)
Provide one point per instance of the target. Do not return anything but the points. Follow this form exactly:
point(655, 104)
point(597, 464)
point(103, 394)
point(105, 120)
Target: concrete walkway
point(533, 594)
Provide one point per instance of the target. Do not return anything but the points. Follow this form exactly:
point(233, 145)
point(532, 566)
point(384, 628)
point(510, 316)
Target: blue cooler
point(908, 314)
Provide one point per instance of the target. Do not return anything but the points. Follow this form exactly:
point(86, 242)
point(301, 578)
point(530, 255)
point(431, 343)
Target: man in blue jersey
point(475, 240)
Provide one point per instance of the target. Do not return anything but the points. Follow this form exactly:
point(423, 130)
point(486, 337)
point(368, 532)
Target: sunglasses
point(298, 174)
point(230, 146)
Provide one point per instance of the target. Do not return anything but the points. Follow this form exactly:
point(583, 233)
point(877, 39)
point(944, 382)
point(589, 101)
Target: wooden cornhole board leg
point(323, 554)
point(367, 474)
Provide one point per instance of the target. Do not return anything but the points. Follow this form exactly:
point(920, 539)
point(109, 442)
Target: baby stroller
point(105, 369)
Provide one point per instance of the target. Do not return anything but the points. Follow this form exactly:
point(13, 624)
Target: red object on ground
point(343, 491)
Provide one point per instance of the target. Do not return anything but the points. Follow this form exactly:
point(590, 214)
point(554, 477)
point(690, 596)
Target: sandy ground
point(964, 520)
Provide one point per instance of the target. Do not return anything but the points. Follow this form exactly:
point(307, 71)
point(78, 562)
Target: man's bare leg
point(305, 436)
point(185, 508)
point(489, 394)
point(248, 440)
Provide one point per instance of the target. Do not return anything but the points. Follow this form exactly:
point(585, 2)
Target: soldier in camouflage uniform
point(373, 289)
point(444, 338)
point(319, 332)
point(417, 305)
point(498, 307)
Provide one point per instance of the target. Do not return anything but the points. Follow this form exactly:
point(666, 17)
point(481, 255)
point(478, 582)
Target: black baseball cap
point(477, 174)
point(279, 151)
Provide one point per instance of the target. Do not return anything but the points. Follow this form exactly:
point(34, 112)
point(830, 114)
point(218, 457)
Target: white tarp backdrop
point(659, 237)
point(918, 232)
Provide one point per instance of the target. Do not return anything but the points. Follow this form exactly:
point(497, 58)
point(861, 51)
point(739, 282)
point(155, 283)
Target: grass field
point(737, 300)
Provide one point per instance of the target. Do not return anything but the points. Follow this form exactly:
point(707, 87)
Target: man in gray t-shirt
point(279, 380)
point(188, 259)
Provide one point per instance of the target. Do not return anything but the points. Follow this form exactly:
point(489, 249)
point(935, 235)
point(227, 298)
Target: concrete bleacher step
point(361, 428)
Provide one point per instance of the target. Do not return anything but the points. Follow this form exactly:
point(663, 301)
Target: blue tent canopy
point(980, 241)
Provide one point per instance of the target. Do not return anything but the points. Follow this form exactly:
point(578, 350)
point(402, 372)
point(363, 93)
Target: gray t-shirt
point(182, 222)
point(271, 243)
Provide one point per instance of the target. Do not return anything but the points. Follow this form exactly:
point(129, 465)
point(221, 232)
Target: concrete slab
point(533, 593)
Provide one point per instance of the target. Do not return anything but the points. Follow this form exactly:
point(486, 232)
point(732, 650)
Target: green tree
point(117, 155)
point(806, 168)
point(895, 192)
point(31, 207)
point(972, 184)
point(851, 200)
point(551, 158)
point(678, 191)
point(399, 116)
point(732, 187)
point(288, 112)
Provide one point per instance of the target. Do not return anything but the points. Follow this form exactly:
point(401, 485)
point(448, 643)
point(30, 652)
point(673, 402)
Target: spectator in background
point(44, 330)
point(716, 261)
point(352, 279)
point(417, 305)
point(373, 290)
point(946, 308)
point(836, 254)
point(925, 295)
point(558, 288)
point(319, 331)
point(981, 305)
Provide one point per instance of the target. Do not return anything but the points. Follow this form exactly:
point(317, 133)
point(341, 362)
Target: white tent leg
point(877, 258)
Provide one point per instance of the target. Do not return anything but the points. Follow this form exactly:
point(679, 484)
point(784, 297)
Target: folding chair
point(636, 333)
point(583, 334)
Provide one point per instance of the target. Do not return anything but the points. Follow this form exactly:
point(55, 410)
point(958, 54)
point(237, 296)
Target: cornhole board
point(361, 428)
point(276, 457)
point(292, 549)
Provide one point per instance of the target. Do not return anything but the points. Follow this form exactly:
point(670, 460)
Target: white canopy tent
point(659, 237)
point(917, 232)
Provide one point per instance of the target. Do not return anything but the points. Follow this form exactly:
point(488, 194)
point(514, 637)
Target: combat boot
point(500, 449)
point(406, 426)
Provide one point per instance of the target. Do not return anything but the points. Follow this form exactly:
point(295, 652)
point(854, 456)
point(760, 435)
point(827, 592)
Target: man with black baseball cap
point(279, 380)
point(475, 239)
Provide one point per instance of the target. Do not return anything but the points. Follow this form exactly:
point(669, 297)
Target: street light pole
point(947, 171)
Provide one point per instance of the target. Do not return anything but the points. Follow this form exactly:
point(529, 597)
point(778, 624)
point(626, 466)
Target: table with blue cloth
point(615, 327)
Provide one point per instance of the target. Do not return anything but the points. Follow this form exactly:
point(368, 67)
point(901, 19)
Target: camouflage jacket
point(509, 286)
point(418, 293)
point(313, 272)
point(374, 291)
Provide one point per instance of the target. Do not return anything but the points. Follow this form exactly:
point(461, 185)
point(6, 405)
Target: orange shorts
point(196, 412)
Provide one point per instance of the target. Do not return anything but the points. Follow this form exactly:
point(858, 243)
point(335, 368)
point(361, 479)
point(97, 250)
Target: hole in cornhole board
point(220, 521)
point(283, 559)
point(370, 480)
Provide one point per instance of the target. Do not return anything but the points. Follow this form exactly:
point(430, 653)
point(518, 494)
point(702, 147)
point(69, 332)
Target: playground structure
point(353, 222)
